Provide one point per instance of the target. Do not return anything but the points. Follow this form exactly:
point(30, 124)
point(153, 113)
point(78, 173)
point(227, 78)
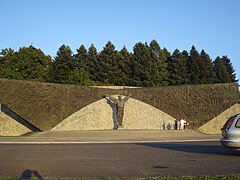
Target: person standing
point(176, 124)
point(182, 122)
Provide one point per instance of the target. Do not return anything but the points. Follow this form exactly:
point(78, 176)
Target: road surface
point(117, 160)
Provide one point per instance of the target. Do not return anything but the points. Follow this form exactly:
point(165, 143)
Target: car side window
point(237, 125)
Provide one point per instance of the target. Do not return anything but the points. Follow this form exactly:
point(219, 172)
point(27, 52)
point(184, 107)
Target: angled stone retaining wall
point(8, 112)
point(45, 105)
point(214, 125)
point(10, 127)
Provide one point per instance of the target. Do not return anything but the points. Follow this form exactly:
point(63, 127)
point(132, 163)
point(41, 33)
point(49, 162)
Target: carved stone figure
point(120, 107)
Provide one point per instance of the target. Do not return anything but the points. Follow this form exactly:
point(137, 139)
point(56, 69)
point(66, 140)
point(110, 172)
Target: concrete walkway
point(109, 136)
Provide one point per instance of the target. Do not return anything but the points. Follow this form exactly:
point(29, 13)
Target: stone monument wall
point(45, 105)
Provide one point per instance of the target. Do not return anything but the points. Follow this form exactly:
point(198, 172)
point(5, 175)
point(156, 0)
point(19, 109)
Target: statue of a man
point(120, 107)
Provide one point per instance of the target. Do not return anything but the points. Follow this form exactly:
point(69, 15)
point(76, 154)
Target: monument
point(45, 105)
point(120, 107)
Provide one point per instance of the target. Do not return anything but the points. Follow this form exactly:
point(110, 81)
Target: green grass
point(223, 177)
point(226, 177)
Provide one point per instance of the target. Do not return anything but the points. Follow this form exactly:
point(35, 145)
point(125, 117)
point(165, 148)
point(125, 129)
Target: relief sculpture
point(45, 105)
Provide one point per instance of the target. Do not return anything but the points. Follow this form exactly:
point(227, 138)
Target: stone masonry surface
point(45, 105)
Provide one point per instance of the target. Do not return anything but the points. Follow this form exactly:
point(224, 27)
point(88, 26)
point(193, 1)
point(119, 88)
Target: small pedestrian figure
point(176, 124)
point(185, 125)
point(179, 125)
point(169, 126)
point(182, 122)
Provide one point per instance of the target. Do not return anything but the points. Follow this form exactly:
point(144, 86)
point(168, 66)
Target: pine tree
point(63, 64)
point(193, 66)
point(206, 75)
point(92, 64)
point(124, 64)
point(224, 70)
point(183, 70)
point(141, 65)
point(177, 67)
point(158, 65)
point(220, 69)
point(109, 73)
point(230, 68)
point(81, 57)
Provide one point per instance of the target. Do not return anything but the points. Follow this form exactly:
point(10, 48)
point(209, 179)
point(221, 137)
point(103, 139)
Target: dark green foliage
point(108, 72)
point(28, 63)
point(92, 65)
point(141, 65)
point(63, 64)
point(81, 57)
point(6, 59)
point(224, 70)
point(230, 68)
point(206, 75)
point(69, 69)
point(177, 68)
point(193, 63)
point(80, 75)
point(147, 66)
point(124, 64)
point(158, 65)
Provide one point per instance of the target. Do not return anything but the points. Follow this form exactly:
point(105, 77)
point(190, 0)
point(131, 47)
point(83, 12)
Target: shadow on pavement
point(201, 148)
point(29, 174)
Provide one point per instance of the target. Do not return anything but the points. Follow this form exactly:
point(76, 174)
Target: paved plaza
point(111, 136)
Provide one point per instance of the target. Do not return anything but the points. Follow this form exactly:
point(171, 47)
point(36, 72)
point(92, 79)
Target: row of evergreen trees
point(148, 65)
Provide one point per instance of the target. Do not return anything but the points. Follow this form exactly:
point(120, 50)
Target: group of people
point(180, 124)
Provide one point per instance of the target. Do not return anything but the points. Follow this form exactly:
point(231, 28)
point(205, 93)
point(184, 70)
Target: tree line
point(147, 65)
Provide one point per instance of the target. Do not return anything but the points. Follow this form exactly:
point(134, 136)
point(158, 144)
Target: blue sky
point(212, 25)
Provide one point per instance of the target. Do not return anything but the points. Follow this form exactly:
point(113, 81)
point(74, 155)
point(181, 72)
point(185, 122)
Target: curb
point(108, 142)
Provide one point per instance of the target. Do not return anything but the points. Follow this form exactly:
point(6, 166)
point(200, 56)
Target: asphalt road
point(117, 160)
